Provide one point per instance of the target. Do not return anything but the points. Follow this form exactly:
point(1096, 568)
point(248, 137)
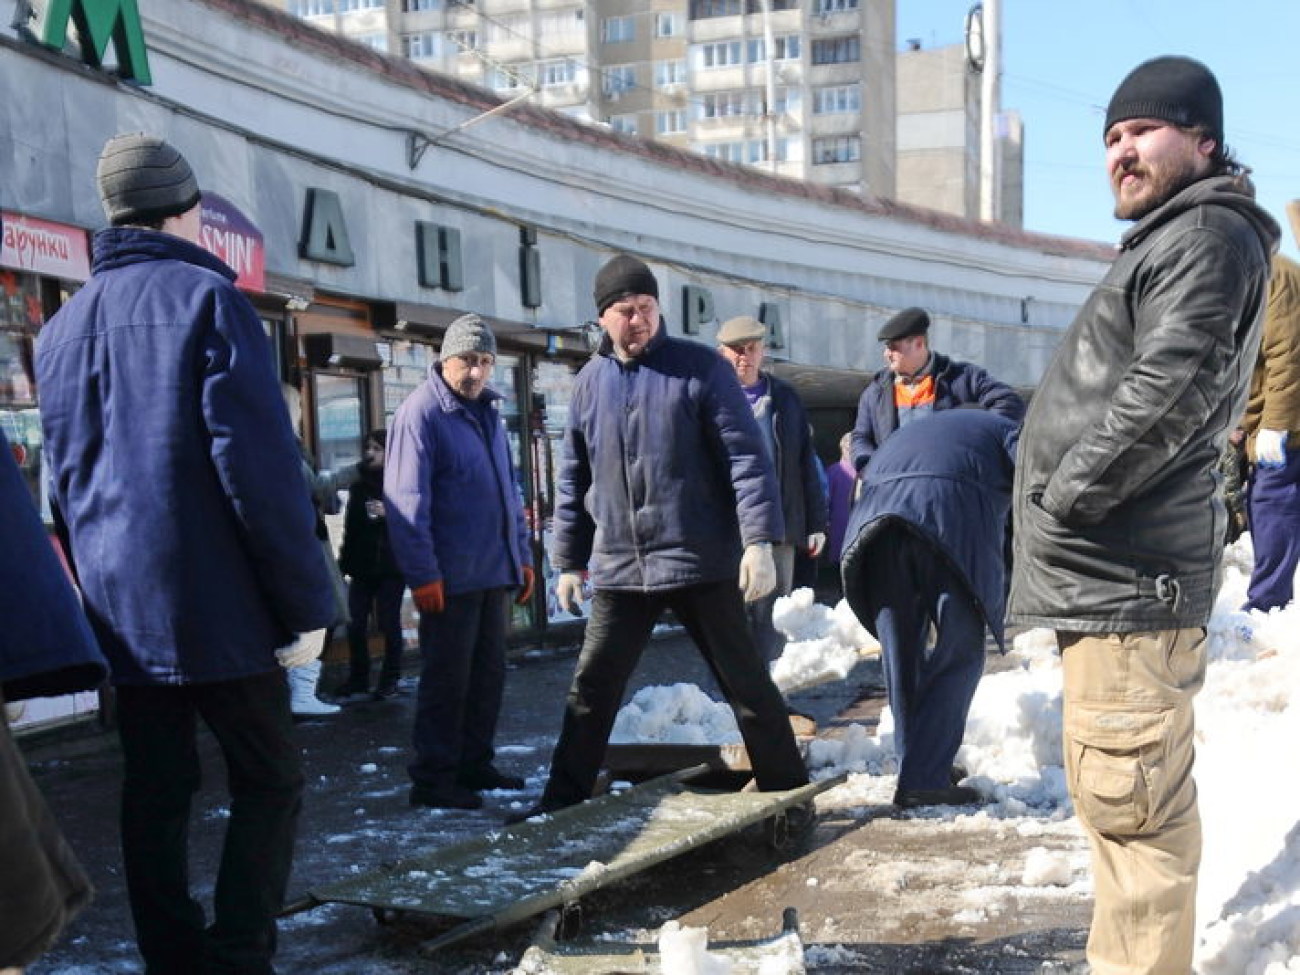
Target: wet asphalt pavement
point(870, 886)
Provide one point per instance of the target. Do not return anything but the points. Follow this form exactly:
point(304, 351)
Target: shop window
point(21, 317)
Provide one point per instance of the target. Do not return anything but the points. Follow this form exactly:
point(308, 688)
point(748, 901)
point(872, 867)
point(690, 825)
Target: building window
point(618, 80)
point(670, 73)
point(311, 8)
point(414, 6)
point(618, 30)
point(837, 98)
point(787, 49)
point(834, 6)
point(750, 151)
point(670, 123)
point(422, 46)
point(836, 149)
point(553, 73)
point(463, 40)
point(725, 104)
point(623, 123)
point(837, 50)
point(704, 9)
point(376, 42)
point(721, 54)
point(667, 25)
point(501, 79)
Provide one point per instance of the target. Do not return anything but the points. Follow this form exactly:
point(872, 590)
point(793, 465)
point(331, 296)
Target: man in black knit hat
point(1117, 518)
point(666, 497)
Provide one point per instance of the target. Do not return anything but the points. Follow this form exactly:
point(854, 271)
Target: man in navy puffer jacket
point(664, 493)
point(174, 477)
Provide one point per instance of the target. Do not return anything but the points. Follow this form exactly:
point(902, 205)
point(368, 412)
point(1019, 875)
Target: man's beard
point(1161, 183)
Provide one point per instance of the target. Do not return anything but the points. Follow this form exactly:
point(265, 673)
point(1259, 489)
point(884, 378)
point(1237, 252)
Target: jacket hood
point(1235, 192)
point(121, 246)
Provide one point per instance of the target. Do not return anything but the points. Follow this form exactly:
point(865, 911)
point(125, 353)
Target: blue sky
point(1062, 61)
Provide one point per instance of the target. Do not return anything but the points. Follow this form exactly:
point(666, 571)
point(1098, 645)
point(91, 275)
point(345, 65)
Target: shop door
point(340, 422)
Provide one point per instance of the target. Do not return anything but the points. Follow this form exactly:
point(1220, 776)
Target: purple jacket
point(173, 468)
point(664, 473)
point(454, 509)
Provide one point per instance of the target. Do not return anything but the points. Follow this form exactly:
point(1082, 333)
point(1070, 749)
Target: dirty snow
point(1248, 908)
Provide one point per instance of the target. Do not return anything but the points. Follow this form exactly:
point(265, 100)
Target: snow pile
point(680, 714)
point(822, 643)
point(685, 951)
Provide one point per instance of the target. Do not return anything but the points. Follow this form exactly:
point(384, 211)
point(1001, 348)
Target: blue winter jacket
point(947, 478)
point(664, 474)
point(46, 646)
point(173, 469)
point(454, 509)
point(956, 384)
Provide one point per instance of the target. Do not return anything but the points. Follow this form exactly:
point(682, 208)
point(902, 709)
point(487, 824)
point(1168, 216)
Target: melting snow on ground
point(1248, 908)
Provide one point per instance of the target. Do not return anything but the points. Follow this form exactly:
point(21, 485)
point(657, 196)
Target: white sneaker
point(303, 701)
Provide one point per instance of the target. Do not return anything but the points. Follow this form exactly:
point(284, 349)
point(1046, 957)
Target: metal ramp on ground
point(505, 876)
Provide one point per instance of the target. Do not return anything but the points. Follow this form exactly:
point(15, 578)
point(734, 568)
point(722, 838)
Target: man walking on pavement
point(917, 381)
point(1272, 411)
point(788, 442)
point(925, 553)
point(1118, 523)
point(665, 496)
point(457, 526)
point(175, 487)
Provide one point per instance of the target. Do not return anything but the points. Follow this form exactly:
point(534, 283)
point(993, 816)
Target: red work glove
point(430, 598)
point(526, 592)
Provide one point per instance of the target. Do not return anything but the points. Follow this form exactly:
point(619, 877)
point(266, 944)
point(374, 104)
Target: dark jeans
point(251, 721)
point(617, 634)
point(1273, 504)
point(462, 678)
point(929, 688)
point(385, 595)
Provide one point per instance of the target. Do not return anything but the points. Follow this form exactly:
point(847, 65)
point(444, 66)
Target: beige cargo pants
point(1128, 730)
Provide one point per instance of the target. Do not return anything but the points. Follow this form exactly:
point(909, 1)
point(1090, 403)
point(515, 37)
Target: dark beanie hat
point(1172, 89)
point(909, 321)
point(623, 275)
point(466, 335)
point(142, 179)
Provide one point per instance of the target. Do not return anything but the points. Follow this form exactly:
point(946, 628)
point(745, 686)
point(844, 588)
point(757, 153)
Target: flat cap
point(743, 328)
point(908, 322)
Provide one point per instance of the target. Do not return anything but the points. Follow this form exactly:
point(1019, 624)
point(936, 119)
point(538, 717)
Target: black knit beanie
point(1173, 89)
point(621, 276)
point(143, 179)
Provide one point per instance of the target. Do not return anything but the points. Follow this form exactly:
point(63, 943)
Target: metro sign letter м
point(98, 22)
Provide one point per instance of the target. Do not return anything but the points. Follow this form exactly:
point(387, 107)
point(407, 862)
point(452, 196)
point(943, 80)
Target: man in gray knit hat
point(175, 486)
point(457, 527)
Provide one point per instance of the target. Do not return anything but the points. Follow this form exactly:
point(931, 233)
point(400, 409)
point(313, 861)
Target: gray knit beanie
point(466, 335)
point(143, 179)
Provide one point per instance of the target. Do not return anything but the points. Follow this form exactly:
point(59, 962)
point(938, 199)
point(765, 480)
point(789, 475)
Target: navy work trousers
point(462, 678)
point(250, 720)
point(617, 634)
point(1273, 506)
point(930, 687)
point(384, 593)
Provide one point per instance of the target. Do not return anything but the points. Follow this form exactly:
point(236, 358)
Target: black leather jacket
point(1118, 523)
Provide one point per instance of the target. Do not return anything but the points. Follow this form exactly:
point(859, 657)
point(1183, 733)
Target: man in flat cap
point(666, 497)
point(788, 442)
point(1118, 519)
point(175, 485)
point(456, 522)
point(917, 381)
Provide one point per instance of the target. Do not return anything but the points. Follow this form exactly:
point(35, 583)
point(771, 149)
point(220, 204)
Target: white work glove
point(569, 591)
point(757, 571)
point(1270, 448)
point(816, 542)
point(305, 648)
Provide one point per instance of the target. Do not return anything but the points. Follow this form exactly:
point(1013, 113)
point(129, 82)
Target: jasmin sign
point(226, 232)
point(44, 247)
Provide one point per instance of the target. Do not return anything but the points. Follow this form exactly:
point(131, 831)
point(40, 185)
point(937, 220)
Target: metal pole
point(990, 97)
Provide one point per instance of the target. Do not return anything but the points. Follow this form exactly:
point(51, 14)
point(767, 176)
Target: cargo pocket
point(1115, 758)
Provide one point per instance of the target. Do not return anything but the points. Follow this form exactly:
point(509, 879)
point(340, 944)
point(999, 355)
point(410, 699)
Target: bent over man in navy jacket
point(926, 547)
point(664, 480)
